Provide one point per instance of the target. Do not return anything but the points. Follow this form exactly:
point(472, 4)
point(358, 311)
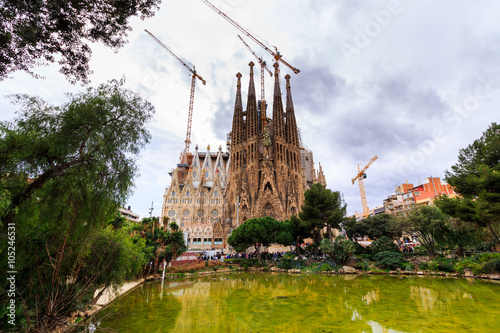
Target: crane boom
point(191, 95)
point(277, 56)
point(359, 177)
point(262, 63)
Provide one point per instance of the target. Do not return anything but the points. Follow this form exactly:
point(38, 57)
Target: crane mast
point(359, 177)
point(277, 56)
point(263, 67)
point(194, 76)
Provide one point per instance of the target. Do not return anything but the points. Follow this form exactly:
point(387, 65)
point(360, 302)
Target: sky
point(412, 82)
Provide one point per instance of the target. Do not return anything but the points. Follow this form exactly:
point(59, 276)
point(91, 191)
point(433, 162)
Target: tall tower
point(266, 177)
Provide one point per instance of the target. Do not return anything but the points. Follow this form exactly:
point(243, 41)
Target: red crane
point(359, 177)
point(277, 56)
point(191, 96)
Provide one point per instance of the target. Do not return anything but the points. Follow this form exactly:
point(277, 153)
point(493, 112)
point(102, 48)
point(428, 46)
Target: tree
point(293, 231)
point(340, 250)
point(374, 227)
point(476, 177)
point(323, 208)
point(42, 32)
point(258, 231)
point(427, 223)
point(175, 246)
point(97, 133)
point(64, 171)
point(460, 234)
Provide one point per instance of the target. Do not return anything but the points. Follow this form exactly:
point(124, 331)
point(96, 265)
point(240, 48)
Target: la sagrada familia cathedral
point(265, 172)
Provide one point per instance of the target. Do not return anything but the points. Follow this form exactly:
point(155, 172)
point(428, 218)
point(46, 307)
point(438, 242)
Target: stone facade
point(268, 163)
point(265, 173)
point(196, 200)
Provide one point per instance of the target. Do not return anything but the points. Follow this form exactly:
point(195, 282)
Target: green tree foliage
point(293, 231)
point(175, 245)
point(257, 232)
point(323, 208)
point(374, 227)
point(34, 33)
point(428, 224)
point(384, 244)
point(64, 171)
point(389, 259)
point(476, 177)
point(340, 250)
point(459, 234)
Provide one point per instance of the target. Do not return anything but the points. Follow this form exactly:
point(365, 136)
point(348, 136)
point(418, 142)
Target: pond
point(266, 302)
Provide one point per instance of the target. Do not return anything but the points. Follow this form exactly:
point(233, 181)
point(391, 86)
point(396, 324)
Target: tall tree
point(257, 232)
point(34, 33)
point(428, 224)
point(323, 208)
point(476, 177)
point(374, 227)
point(293, 231)
point(99, 132)
point(64, 171)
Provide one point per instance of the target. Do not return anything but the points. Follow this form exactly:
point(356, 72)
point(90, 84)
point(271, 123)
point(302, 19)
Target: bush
point(389, 259)
point(468, 263)
point(492, 266)
point(287, 261)
point(408, 266)
point(423, 266)
point(384, 244)
point(485, 257)
point(325, 267)
point(445, 265)
point(339, 251)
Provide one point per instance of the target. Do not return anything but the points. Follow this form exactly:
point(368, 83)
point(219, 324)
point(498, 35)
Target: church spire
point(238, 131)
point(278, 114)
point(291, 131)
point(252, 117)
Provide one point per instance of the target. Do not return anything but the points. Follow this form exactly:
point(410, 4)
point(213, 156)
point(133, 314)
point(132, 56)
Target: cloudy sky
point(409, 81)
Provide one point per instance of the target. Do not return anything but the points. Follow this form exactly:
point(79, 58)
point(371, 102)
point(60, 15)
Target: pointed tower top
point(289, 102)
point(237, 135)
point(277, 90)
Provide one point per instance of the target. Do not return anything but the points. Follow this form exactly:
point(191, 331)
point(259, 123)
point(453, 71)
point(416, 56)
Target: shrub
point(468, 263)
point(286, 261)
point(339, 251)
point(384, 244)
point(423, 266)
point(408, 266)
point(485, 257)
point(325, 267)
point(389, 259)
point(445, 265)
point(491, 266)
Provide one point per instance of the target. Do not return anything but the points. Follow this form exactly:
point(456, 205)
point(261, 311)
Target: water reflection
point(282, 303)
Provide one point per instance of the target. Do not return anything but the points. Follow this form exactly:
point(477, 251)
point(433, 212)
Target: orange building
point(407, 195)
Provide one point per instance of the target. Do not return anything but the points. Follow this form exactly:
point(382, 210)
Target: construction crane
point(359, 177)
point(194, 76)
point(263, 67)
point(277, 56)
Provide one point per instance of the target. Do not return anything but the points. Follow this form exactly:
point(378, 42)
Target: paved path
point(109, 295)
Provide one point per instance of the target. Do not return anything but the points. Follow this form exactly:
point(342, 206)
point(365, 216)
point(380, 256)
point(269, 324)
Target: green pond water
point(266, 302)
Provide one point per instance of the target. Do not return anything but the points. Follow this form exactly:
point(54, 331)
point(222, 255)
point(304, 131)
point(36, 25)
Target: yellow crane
point(263, 67)
point(194, 76)
point(277, 56)
point(359, 177)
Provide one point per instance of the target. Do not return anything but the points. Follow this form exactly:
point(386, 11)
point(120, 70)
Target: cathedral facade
point(265, 172)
